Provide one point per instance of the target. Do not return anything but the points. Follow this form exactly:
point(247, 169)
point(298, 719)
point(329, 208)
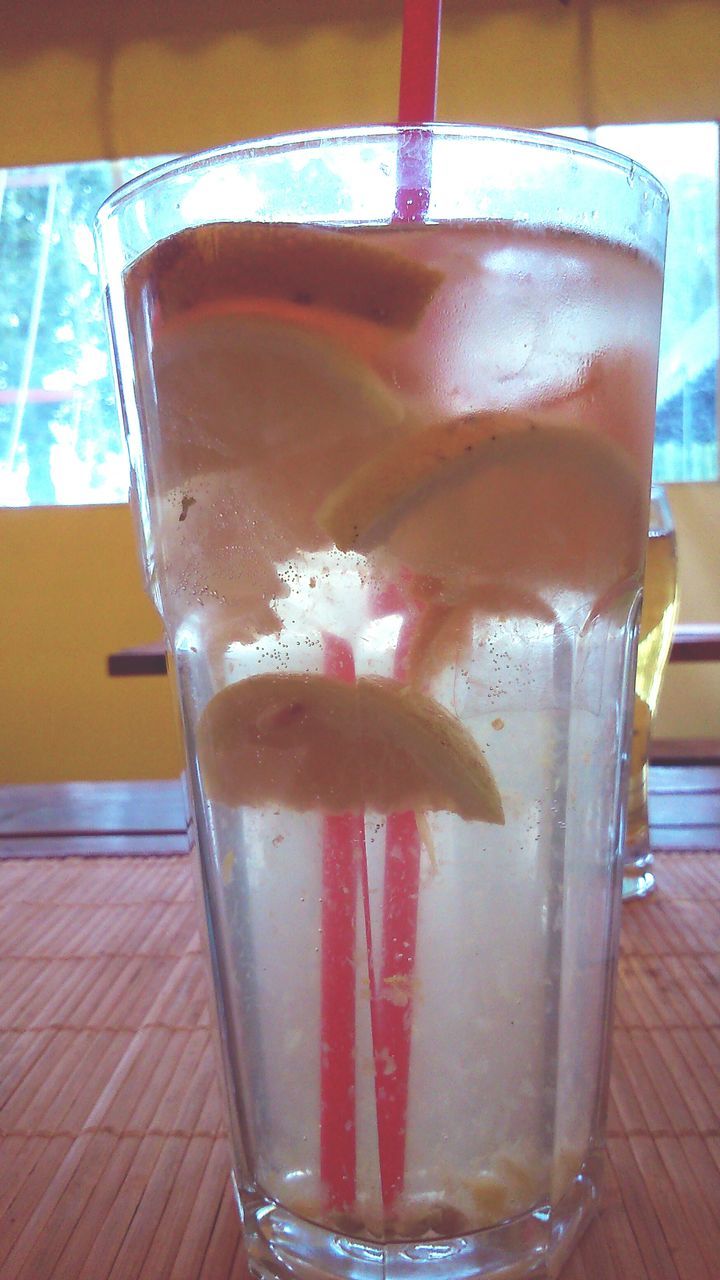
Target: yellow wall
point(72, 593)
point(72, 589)
point(80, 78)
point(690, 699)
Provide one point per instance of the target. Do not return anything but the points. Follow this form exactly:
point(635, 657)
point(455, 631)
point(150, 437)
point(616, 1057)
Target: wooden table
point(113, 1159)
point(63, 819)
point(692, 642)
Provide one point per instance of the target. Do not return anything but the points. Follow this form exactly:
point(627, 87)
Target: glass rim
point(192, 162)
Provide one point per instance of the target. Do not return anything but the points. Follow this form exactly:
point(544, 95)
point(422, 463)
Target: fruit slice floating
point(240, 388)
point(310, 266)
point(374, 498)
point(313, 742)
point(496, 496)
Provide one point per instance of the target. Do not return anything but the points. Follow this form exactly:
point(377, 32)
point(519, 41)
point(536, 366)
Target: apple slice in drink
point(311, 267)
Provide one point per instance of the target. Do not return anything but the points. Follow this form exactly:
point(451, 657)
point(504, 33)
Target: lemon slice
point(312, 742)
point(497, 496)
point(284, 408)
point(310, 266)
point(374, 497)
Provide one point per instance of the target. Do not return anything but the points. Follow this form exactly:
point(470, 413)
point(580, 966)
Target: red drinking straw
point(344, 853)
point(337, 1016)
point(418, 97)
point(343, 846)
point(419, 61)
point(392, 1025)
point(403, 848)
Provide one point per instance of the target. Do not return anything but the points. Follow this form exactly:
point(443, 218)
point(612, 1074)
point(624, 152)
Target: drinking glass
point(657, 622)
point(390, 468)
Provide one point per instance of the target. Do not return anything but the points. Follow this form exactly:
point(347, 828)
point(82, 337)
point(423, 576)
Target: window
point(685, 159)
point(60, 440)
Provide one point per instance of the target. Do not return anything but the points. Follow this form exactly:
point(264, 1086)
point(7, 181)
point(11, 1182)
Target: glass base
point(638, 877)
point(534, 1246)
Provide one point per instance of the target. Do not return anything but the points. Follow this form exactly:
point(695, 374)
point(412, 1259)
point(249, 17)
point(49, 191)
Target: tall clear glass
point(391, 467)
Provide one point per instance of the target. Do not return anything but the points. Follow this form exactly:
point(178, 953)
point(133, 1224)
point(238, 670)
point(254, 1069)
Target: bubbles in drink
point(400, 522)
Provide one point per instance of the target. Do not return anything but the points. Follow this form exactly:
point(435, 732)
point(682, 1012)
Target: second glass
point(657, 623)
point(391, 470)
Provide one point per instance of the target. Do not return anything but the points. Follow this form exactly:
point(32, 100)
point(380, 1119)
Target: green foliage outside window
point(60, 438)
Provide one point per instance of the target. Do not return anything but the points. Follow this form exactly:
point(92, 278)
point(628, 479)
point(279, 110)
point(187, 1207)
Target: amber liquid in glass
point(657, 621)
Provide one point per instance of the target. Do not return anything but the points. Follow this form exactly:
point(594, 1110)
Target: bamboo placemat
point(113, 1160)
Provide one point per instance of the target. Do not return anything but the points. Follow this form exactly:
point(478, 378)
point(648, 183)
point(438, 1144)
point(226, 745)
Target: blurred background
point(92, 93)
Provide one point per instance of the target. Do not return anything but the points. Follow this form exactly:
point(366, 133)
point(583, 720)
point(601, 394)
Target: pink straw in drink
point(344, 851)
point(418, 98)
point(403, 846)
point(343, 841)
point(344, 855)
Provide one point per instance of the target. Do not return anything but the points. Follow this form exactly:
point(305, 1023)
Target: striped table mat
point(113, 1158)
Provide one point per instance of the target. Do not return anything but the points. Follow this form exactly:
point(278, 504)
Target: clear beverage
point(657, 623)
point(393, 494)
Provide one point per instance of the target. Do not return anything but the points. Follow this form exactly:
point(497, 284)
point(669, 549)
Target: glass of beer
point(659, 611)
